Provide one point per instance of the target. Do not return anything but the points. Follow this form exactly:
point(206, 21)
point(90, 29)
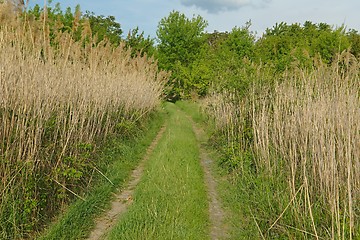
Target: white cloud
point(216, 6)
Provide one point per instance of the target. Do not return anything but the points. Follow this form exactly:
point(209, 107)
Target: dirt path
point(124, 198)
point(218, 228)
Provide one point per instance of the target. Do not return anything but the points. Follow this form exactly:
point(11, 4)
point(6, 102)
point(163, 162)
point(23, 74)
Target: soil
point(218, 228)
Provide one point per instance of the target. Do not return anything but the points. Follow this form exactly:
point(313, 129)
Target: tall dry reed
point(306, 128)
point(311, 122)
point(58, 99)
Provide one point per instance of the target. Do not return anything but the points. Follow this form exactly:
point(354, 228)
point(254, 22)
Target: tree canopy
point(180, 42)
point(180, 39)
point(104, 27)
point(199, 60)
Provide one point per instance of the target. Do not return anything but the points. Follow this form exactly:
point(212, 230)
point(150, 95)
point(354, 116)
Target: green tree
point(230, 59)
point(139, 44)
point(284, 44)
point(104, 27)
point(73, 22)
point(180, 40)
point(69, 21)
point(354, 39)
point(241, 41)
point(278, 45)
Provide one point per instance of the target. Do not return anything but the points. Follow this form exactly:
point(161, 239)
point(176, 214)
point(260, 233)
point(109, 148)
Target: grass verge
point(171, 200)
point(119, 158)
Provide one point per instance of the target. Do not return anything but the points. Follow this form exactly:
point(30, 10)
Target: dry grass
point(307, 128)
point(58, 98)
point(312, 122)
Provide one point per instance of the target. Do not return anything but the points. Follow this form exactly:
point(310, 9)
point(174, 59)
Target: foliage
point(139, 44)
point(104, 27)
point(58, 20)
point(75, 22)
point(283, 45)
point(223, 62)
point(101, 27)
point(354, 39)
point(180, 39)
point(232, 59)
point(240, 41)
point(180, 42)
point(228, 60)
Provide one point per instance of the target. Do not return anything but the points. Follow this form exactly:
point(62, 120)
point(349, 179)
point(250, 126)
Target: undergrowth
point(291, 153)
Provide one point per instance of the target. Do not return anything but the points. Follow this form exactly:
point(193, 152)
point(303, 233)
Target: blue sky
point(223, 15)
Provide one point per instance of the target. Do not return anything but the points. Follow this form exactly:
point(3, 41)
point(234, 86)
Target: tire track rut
point(218, 228)
point(123, 199)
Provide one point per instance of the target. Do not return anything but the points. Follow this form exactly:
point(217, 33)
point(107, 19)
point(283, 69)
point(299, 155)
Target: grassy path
point(219, 227)
point(124, 198)
point(171, 194)
point(171, 200)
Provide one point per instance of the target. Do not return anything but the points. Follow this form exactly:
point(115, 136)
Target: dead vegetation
point(306, 128)
point(60, 98)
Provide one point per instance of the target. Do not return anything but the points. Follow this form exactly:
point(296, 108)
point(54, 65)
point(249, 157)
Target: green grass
point(235, 191)
point(193, 110)
point(170, 202)
point(120, 157)
point(238, 198)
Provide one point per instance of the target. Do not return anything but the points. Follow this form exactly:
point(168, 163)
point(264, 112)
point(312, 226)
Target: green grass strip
point(193, 110)
point(232, 189)
point(170, 202)
point(122, 157)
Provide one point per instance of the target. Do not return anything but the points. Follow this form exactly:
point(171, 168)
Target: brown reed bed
point(306, 128)
point(59, 100)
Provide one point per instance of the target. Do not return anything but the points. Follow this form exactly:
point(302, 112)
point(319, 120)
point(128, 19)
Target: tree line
point(198, 59)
